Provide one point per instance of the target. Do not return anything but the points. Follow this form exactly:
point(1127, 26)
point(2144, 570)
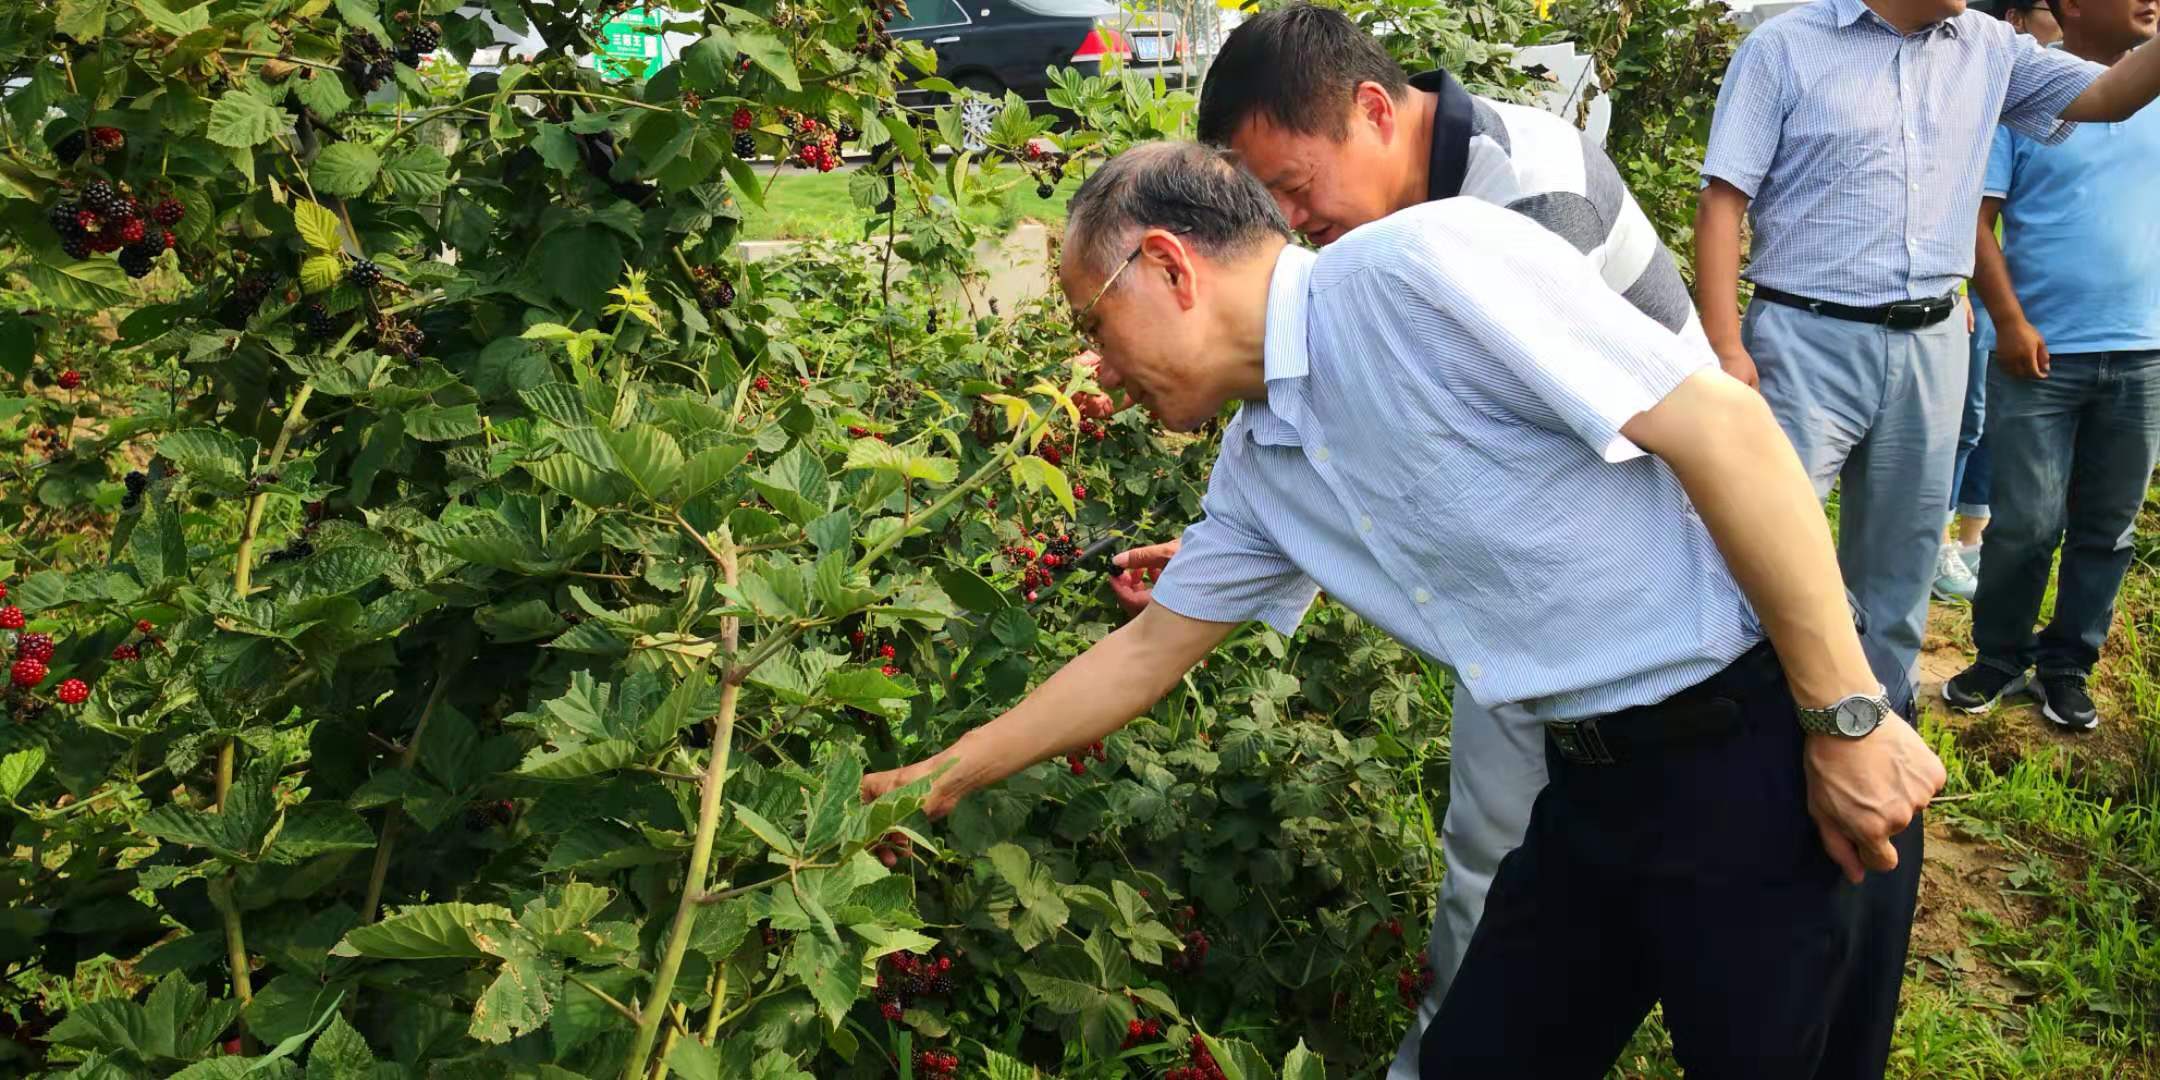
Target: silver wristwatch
point(1853, 718)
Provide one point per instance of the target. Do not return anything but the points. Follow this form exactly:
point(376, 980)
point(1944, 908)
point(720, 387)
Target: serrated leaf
point(178, 24)
point(324, 97)
point(240, 119)
point(18, 769)
point(1303, 1064)
point(520, 998)
point(600, 757)
point(346, 168)
point(770, 53)
point(442, 423)
point(320, 273)
point(83, 20)
point(425, 933)
point(831, 972)
point(648, 457)
point(318, 828)
point(839, 791)
point(1036, 474)
point(340, 1053)
point(869, 690)
point(765, 830)
point(579, 479)
point(205, 453)
point(91, 283)
point(363, 15)
point(317, 225)
point(419, 173)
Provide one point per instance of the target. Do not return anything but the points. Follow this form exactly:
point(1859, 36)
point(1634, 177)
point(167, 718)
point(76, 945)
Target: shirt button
point(1321, 454)
point(1364, 523)
point(1421, 596)
point(1474, 671)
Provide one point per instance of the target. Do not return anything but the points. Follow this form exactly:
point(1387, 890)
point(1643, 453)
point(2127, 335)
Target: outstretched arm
point(2118, 95)
point(1102, 690)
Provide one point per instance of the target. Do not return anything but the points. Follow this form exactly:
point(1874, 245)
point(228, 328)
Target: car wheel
point(978, 114)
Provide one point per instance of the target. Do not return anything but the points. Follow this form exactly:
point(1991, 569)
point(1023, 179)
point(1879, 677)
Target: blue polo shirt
point(2082, 234)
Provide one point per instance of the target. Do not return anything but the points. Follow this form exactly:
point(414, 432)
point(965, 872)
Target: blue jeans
point(2074, 453)
point(1970, 481)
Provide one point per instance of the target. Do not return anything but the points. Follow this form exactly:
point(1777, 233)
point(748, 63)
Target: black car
point(993, 46)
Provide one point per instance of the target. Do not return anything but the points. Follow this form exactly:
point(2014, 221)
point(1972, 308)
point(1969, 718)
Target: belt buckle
point(1581, 742)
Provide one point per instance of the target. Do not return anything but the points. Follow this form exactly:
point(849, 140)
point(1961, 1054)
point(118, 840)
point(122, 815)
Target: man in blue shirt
point(1853, 133)
point(2074, 398)
point(1439, 411)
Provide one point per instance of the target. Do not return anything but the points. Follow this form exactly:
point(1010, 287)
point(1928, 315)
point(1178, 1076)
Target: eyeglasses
point(1081, 324)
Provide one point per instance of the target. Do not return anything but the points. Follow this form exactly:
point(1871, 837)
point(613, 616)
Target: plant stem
point(655, 1008)
point(719, 998)
point(392, 819)
point(221, 894)
point(243, 564)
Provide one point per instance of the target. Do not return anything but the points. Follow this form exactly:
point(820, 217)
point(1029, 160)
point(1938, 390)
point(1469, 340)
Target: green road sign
point(631, 45)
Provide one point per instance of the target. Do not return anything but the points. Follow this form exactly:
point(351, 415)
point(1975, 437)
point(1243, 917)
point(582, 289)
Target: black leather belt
point(1709, 709)
point(1911, 315)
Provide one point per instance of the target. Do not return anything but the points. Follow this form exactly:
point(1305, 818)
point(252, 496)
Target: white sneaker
point(1954, 580)
point(1971, 555)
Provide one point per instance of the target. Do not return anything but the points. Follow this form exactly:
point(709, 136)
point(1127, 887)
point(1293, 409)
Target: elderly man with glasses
point(1435, 413)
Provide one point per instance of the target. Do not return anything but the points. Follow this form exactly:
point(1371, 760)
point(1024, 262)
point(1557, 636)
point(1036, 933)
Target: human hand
point(1093, 405)
point(1140, 566)
point(1863, 792)
point(2021, 351)
point(1738, 364)
point(1972, 318)
point(945, 791)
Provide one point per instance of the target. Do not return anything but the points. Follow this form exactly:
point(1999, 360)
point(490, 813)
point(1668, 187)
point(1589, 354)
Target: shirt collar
point(1284, 361)
point(1453, 119)
point(1851, 11)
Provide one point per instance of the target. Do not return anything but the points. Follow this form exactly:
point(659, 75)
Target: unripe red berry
point(73, 692)
point(11, 618)
point(126, 652)
point(886, 651)
point(1031, 596)
point(1079, 491)
point(892, 1010)
point(37, 647)
point(761, 384)
point(888, 671)
point(27, 673)
point(143, 626)
point(70, 379)
point(3, 590)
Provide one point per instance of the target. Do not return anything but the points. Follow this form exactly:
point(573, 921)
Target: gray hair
point(1195, 191)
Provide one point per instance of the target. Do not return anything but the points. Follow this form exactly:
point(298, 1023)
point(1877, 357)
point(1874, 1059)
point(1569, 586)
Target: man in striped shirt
point(1854, 134)
point(1341, 136)
point(1719, 747)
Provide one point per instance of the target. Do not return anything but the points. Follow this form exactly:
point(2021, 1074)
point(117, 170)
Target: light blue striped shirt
point(1440, 450)
point(1863, 148)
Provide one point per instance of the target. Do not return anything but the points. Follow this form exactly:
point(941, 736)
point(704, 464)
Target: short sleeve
point(1226, 570)
point(2043, 82)
point(2001, 166)
point(1559, 349)
point(1750, 117)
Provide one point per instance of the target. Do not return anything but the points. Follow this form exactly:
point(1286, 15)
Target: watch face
point(1857, 716)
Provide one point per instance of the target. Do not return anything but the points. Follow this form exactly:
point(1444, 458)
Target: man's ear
point(1371, 104)
point(1164, 252)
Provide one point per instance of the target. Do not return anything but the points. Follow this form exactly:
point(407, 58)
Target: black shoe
point(2065, 703)
point(1977, 688)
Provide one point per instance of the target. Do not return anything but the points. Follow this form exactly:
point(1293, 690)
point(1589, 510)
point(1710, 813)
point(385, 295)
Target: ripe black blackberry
point(317, 321)
point(78, 247)
point(62, 218)
point(745, 146)
point(154, 241)
point(1045, 189)
point(847, 132)
point(168, 213)
point(137, 483)
point(364, 274)
point(422, 39)
point(138, 260)
point(251, 290)
point(723, 294)
point(70, 147)
point(101, 198)
point(300, 548)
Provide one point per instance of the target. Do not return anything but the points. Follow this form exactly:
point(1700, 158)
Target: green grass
point(817, 206)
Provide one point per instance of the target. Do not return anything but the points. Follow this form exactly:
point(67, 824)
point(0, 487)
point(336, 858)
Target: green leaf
point(240, 119)
point(902, 462)
point(557, 147)
point(770, 53)
point(520, 998)
point(1035, 474)
point(362, 14)
point(578, 264)
point(440, 423)
point(317, 225)
point(317, 828)
point(320, 273)
point(579, 479)
point(765, 830)
point(425, 933)
point(324, 97)
point(1303, 1064)
point(83, 20)
point(91, 283)
point(970, 590)
point(340, 1054)
point(346, 168)
point(839, 791)
point(600, 757)
point(419, 173)
point(178, 24)
point(649, 457)
point(18, 769)
point(831, 972)
point(720, 928)
point(205, 452)
point(869, 690)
